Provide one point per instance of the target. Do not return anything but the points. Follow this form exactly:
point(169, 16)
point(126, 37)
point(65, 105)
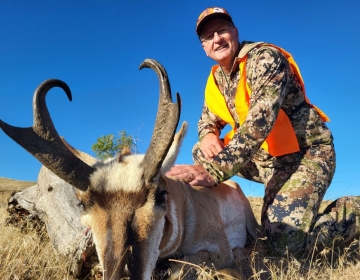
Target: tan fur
point(162, 219)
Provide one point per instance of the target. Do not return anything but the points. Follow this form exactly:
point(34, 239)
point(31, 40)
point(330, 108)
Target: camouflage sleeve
point(268, 74)
point(209, 123)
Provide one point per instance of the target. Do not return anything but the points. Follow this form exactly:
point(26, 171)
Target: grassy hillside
point(7, 184)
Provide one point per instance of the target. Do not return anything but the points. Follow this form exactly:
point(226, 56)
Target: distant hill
point(7, 184)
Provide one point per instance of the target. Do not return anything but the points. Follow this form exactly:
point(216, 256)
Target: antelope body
point(136, 213)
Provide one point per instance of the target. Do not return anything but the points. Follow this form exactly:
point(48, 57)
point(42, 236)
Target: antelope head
point(124, 198)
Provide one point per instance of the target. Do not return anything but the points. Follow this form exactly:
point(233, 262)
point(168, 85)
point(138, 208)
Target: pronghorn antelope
point(138, 215)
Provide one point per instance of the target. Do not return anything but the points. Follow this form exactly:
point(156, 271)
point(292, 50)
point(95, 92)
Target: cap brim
point(210, 17)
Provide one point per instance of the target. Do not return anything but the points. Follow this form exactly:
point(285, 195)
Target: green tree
point(108, 145)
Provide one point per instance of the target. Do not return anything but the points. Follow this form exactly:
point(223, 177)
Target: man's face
point(222, 45)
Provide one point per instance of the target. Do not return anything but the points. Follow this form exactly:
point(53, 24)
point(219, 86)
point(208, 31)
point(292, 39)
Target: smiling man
point(277, 138)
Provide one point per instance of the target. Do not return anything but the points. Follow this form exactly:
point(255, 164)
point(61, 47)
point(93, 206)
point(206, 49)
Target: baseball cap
point(210, 13)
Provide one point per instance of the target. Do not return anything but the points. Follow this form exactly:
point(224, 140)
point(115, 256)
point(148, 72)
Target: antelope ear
point(174, 149)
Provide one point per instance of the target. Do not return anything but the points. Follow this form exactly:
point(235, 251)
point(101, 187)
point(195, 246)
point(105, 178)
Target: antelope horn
point(43, 141)
point(167, 119)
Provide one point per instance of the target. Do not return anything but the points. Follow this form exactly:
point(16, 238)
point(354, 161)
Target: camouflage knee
point(291, 205)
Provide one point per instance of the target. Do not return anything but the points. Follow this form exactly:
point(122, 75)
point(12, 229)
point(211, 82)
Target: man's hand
point(211, 145)
point(195, 175)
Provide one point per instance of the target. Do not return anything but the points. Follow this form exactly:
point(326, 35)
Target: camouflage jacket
point(274, 86)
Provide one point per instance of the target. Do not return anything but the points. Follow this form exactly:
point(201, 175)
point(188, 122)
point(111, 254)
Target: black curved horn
point(167, 119)
point(43, 141)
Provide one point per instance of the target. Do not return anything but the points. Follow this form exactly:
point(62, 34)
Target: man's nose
point(217, 37)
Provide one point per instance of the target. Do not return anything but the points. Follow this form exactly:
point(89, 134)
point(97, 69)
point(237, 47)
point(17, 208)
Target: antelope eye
point(160, 198)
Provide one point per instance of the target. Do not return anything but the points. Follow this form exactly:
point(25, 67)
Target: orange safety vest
point(282, 139)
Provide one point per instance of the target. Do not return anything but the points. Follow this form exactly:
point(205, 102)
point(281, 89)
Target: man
point(278, 138)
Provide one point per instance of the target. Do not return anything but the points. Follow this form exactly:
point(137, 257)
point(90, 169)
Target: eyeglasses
point(222, 29)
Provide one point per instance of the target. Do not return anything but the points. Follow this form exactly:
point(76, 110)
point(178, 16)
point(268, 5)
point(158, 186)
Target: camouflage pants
point(295, 186)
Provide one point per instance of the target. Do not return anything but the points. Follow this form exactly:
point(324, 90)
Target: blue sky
point(96, 47)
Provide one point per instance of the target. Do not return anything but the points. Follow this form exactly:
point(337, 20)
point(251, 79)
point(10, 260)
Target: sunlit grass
point(28, 255)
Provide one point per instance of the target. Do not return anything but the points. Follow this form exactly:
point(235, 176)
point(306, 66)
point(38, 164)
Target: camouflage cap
point(210, 13)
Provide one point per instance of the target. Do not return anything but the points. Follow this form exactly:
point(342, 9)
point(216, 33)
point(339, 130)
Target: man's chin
point(222, 58)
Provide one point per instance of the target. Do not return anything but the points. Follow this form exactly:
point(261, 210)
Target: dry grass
point(9, 185)
point(26, 254)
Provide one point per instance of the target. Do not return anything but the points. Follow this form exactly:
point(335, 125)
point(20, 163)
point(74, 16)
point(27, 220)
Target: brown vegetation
point(26, 253)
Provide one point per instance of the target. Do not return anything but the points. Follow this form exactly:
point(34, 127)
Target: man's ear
point(204, 49)
point(236, 32)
